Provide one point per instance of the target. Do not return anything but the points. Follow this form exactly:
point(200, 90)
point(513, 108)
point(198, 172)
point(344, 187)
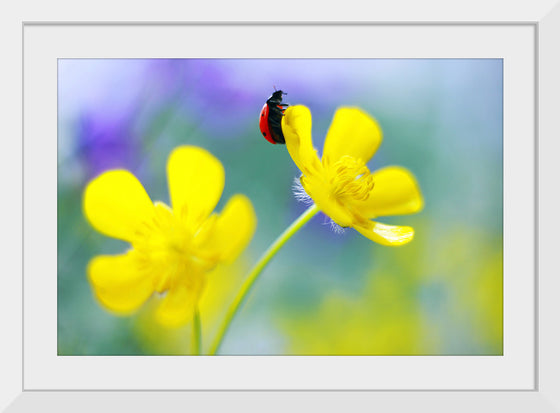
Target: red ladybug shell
point(263, 124)
point(270, 119)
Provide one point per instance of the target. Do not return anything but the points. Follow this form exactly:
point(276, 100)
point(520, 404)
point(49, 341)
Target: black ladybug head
point(278, 94)
point(276, 98)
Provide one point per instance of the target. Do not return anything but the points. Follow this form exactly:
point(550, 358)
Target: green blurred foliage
point(412, 301)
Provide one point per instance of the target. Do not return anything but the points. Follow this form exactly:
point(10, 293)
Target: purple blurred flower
point(207, 93)
point(106, 141)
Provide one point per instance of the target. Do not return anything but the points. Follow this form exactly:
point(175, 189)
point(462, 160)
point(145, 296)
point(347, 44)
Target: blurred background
point(323, 293)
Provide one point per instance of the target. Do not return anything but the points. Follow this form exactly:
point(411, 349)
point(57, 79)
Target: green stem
point(256, 271)
point(196, 335)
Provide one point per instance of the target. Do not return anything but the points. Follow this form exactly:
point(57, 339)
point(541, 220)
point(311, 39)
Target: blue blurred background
point(324, 293)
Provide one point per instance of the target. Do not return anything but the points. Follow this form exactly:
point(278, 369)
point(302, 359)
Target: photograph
point(280, 207)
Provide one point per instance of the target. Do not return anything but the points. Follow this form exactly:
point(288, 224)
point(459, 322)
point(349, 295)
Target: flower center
point(167, 247)
point(350, 178)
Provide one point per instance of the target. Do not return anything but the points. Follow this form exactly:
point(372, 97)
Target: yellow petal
point(353, 132)
point(395, 192)
point(320, 192)
point(231, 230)
point(177, 307)
point(196, 181)
point(119, 282)
point(116, 204)
point(296, 127)
point(383, 234)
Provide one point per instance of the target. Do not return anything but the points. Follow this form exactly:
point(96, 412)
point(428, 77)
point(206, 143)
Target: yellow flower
point(172, 248)
point(341, 184)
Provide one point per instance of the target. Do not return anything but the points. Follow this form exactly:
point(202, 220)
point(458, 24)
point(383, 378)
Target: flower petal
point(395, 192)
point(353, 132)
point(320, 192)
point(296, 127)
point(383, 234)
point(119, 282)
point(231, 230)
point(177, 307)
point(196, 181)
point(116, 204)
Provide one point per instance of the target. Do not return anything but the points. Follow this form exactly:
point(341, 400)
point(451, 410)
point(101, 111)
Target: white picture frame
point(544, 21)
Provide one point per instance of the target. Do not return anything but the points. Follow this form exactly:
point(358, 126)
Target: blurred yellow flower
point(222, 284)
point(341, 184)
point(173, 249)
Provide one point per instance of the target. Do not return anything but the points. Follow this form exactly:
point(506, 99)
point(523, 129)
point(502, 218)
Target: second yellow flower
point(172, 248)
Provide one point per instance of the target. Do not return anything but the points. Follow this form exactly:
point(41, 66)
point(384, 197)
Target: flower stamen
point(350, 178)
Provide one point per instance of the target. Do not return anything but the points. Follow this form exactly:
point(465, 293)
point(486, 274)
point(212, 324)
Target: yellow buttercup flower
point(341, 184)
point(173, 249)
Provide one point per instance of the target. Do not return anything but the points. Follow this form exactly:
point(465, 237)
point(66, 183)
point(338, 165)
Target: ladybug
point(271, 118)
